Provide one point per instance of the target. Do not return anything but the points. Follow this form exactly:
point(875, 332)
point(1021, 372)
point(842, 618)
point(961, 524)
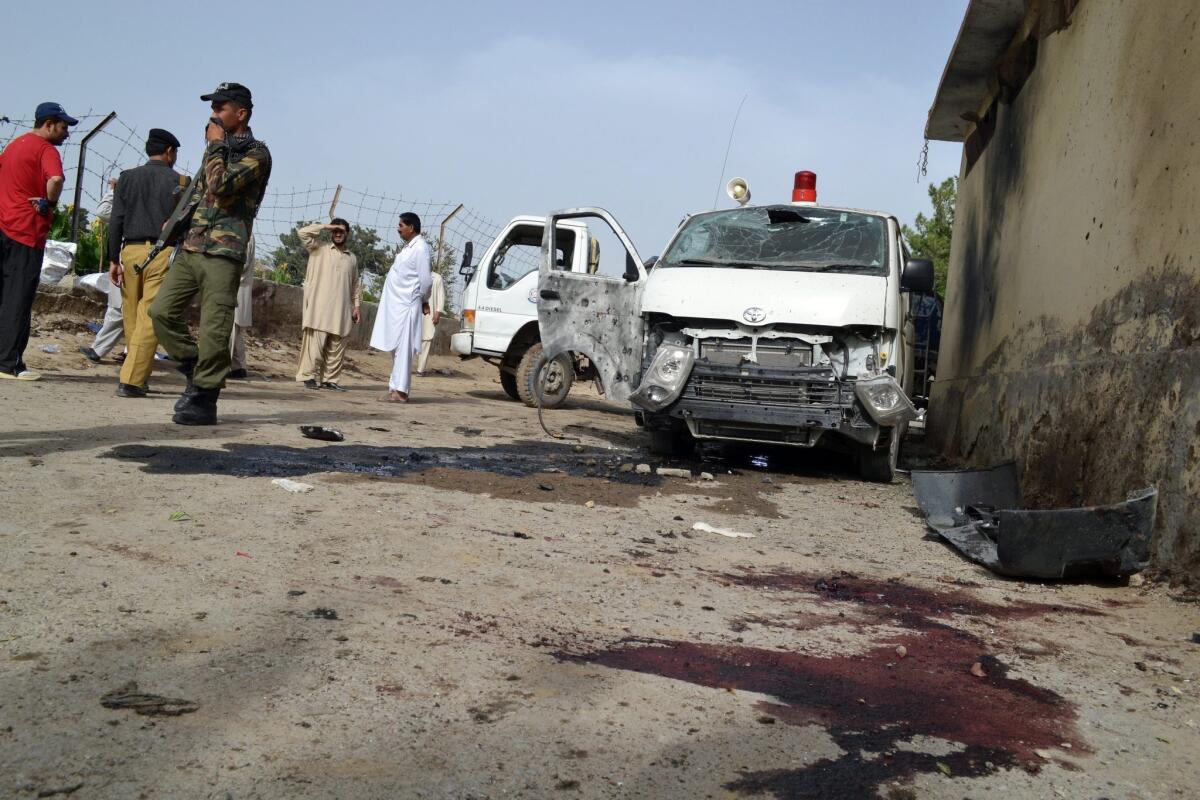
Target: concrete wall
point(1073, 306)
point(279, 309)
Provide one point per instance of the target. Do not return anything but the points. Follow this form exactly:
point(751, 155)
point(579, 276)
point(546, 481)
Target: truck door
point(506, 299)
point(598, 316)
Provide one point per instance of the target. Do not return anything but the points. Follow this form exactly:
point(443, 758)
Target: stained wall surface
point(1072, 323)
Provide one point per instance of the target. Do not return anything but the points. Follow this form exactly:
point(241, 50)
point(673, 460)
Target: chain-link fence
point(119, 146)
point(282, 209)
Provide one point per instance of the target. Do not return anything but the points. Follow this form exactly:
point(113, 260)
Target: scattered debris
point(672, 472)
point(321, 433)
point(151, 705)
point(625, 468)
point(295, 487)
point(54, 792)
point(642, 469)
point(1196, 638)
point(381, 430)
point(295, 592)
point(590, 504)
point(705, 527)
point(50, 348)
point(545, 487)
point(323, 613)
point(901, 651)
point(179, 516)
point(707, 476)
point(978, 671)
point(240, 553)
point(979, 513)
point(463, 430)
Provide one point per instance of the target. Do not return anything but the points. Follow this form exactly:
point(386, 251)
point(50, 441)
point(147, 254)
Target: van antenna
point(729, 144)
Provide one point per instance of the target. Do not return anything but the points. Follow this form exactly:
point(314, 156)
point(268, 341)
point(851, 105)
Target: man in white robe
point(429, 321)
point(402, 302)
point(113, 326)
point(243, 317)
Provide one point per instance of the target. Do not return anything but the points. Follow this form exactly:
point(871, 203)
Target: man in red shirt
point(31, 179)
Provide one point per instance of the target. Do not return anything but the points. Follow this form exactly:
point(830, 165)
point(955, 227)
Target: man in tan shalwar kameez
point(437, 301)
point(332, 299)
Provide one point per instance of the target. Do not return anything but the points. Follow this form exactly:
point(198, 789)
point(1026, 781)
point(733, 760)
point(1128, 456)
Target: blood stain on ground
point(872, 703)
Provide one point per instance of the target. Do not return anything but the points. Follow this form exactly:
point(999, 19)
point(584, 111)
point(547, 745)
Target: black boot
point(199, 407)
point(187, 368)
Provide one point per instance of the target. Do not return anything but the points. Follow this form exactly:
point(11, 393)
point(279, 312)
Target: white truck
point(779, 324)
point(499, 320)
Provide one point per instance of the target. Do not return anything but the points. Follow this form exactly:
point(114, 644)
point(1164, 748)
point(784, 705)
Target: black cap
point(230, 93)
point(163, 137)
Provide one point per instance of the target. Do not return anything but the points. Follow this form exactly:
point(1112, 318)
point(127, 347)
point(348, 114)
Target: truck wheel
point(558, 376)
point(879, 465)
point(509, 382)
point(674, 441)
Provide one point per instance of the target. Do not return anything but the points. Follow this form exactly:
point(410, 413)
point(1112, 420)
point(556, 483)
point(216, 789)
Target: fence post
point(79, 174)
point(337, 194)
point(442, 234)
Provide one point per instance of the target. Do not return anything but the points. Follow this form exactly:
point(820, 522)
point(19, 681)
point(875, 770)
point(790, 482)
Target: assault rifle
point(176, 226)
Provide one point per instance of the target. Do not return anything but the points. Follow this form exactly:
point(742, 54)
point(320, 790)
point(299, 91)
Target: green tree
point(930, 236)
point(290, 259)
point(89, 251)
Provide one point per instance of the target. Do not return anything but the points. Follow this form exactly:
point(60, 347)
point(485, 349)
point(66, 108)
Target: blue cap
point(54, 111)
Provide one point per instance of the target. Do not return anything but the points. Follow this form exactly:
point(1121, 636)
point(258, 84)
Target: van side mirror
point(467, 269)
point(631, 271)
point(917, 276)
point(650, 262)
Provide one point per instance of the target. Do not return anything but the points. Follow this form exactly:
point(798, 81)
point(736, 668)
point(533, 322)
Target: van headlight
point(665, 379)
point(884, 400)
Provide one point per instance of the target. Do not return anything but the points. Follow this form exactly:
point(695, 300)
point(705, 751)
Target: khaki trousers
point(423, 358)
point(321, 356)
point(137, 293)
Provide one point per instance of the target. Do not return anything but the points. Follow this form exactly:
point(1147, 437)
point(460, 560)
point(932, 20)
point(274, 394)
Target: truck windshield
point(782, 238)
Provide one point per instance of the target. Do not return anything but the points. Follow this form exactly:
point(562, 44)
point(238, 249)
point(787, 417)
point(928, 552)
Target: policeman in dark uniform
point(231, 187)
point(142, 201)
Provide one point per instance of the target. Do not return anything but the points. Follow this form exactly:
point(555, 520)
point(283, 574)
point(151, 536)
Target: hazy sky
point(524, 106)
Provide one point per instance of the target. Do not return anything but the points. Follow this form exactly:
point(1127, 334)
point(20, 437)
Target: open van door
point(597, 316)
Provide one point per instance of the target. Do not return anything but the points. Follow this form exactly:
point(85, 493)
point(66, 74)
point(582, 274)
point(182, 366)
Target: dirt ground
point(463, 607)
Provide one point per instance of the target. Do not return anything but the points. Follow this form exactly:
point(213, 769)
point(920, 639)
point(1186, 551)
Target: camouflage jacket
point(231, 188)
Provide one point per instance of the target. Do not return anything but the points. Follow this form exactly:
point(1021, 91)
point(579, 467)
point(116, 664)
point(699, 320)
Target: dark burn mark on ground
point(872, 703)
point(505, 471)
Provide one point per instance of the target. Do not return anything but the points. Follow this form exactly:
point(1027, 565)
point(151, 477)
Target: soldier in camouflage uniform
point(210, 259)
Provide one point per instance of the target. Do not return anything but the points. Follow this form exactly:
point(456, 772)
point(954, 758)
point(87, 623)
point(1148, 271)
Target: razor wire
point(119, 146)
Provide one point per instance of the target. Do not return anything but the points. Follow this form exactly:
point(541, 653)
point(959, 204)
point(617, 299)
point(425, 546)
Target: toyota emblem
point(754, 315)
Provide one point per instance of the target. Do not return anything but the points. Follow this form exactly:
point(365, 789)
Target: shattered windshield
point(782, 237)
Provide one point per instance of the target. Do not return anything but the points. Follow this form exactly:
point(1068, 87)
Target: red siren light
point(805, 188)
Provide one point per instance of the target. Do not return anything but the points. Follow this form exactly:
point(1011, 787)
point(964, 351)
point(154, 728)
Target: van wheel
point(534, 371)
point(509, 382)
point(879, 464)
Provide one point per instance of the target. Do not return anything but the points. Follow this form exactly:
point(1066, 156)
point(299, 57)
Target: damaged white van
point(779, 324)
